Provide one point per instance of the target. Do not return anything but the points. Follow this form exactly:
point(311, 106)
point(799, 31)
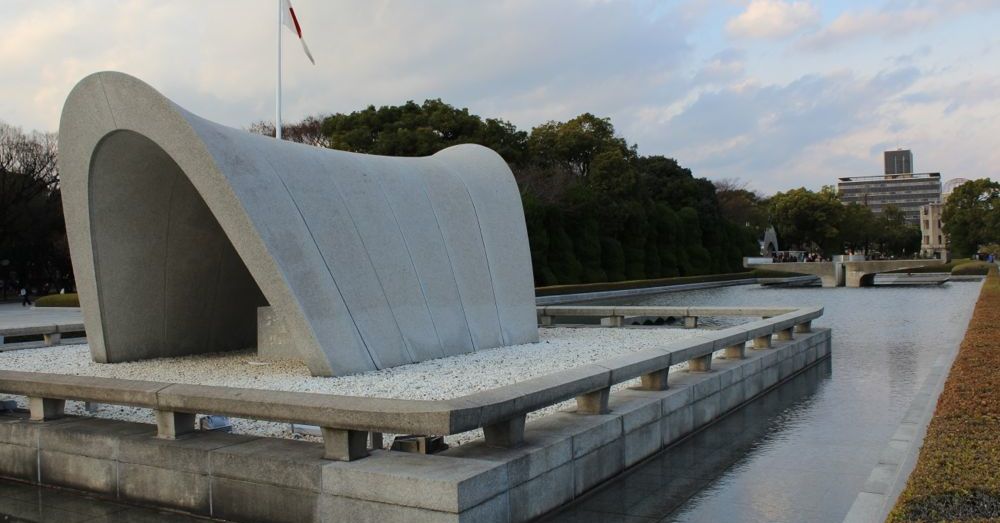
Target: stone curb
point(898, 458)
point(600, 295)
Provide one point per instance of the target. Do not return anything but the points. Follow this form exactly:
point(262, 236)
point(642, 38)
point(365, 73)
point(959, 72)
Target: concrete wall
point(862, 273)
point(244, 478)
point(179, 228)
point(826, 271)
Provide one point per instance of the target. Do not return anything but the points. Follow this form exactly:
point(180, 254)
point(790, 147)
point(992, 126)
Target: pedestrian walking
point(24, 297)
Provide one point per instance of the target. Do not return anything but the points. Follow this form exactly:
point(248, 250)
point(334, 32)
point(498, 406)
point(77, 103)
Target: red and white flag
point(292, 22)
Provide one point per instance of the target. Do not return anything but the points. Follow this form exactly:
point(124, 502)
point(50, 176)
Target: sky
point(776, 93)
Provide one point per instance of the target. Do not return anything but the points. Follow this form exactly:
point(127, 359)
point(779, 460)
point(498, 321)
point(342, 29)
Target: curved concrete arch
point(180, 227)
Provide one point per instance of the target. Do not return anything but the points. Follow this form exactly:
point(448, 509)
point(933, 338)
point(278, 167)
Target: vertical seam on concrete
point(305, 223)
point(274, 268)
point(486, 252)
point(166, 256)
point(118, 473)
point(416, 273)
point(451, 262)
point(90, 217)
point(38, 456)
point(214, 327)
point(368, 255)
point(211, 477)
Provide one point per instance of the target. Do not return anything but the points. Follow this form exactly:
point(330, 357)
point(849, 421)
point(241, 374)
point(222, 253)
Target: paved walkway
point(14, 315)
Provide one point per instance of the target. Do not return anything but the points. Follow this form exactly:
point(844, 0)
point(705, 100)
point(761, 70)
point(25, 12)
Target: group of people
point(796, 257)
point(784, 257)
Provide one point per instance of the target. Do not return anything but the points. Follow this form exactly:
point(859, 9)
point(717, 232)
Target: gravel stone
point(558, 348)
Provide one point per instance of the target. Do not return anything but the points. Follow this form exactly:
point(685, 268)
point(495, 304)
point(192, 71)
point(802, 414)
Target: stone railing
point(346, 421)
point(612, 316)
point(51, 334)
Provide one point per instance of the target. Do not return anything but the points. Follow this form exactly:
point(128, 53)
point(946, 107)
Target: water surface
point(803, 451)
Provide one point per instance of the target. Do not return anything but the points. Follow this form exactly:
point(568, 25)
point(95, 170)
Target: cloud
point(522, 60)
point(978, 92)
point(851, 26)
point(773, 19)
point(723, 67)
point(752, 130)
point(892, 20)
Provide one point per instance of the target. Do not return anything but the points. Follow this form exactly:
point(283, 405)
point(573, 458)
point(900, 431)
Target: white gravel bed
point(444, 378)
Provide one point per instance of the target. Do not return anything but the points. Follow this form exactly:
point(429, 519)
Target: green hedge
point(976, 268)
point(955, 478)
point(945, 267)
point(58, 300)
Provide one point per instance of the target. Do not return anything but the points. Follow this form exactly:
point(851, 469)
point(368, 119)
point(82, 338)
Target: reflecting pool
point(803, 451)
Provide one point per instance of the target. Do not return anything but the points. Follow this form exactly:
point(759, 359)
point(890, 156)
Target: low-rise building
point(933, 240)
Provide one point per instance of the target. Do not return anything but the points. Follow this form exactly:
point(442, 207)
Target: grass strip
point(957, 476)
point(58, 300)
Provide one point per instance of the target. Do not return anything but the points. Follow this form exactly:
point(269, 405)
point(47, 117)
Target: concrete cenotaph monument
point(182, 231)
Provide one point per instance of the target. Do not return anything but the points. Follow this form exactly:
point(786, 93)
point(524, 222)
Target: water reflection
point(30, 503)
point(804, 451)
point(660, 486)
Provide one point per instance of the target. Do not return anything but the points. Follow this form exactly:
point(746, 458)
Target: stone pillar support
point(170, 425)
point(613, 321)
point(377, 443)
point(701, 363)
point(736, 352)
point(545, 321)
point(655, 380)
point(344, 445)
point(786, 335)
point(762, 342)
point(803, 327)
point(593, 402)
point(506, 434)
point(52, 339)
point(44, 409)
point(690, 322)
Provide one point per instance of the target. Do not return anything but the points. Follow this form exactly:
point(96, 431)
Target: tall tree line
point(972, 217)
point(33, 248)
point(819, 221)
point(596, 210)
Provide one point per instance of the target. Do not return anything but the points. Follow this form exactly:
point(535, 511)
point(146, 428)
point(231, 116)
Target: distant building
point(899, 161)
point(909, 192)
point(899, 186)
point(933, 240)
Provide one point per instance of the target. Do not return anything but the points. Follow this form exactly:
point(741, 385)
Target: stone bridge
point(843, 273)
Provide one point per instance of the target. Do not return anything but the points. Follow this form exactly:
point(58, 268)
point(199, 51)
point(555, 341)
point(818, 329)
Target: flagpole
point(277, 97)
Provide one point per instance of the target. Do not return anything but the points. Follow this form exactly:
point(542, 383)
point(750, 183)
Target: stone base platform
point(244, 478)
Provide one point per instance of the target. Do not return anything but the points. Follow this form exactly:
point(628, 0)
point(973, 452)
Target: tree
point(309, 131)
point(415, 129)
point(808, 219)
point(740, 205)
point(577, 143)
point(858, 229)
point(895, 236)
point(972, 216)
point(33, 245)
